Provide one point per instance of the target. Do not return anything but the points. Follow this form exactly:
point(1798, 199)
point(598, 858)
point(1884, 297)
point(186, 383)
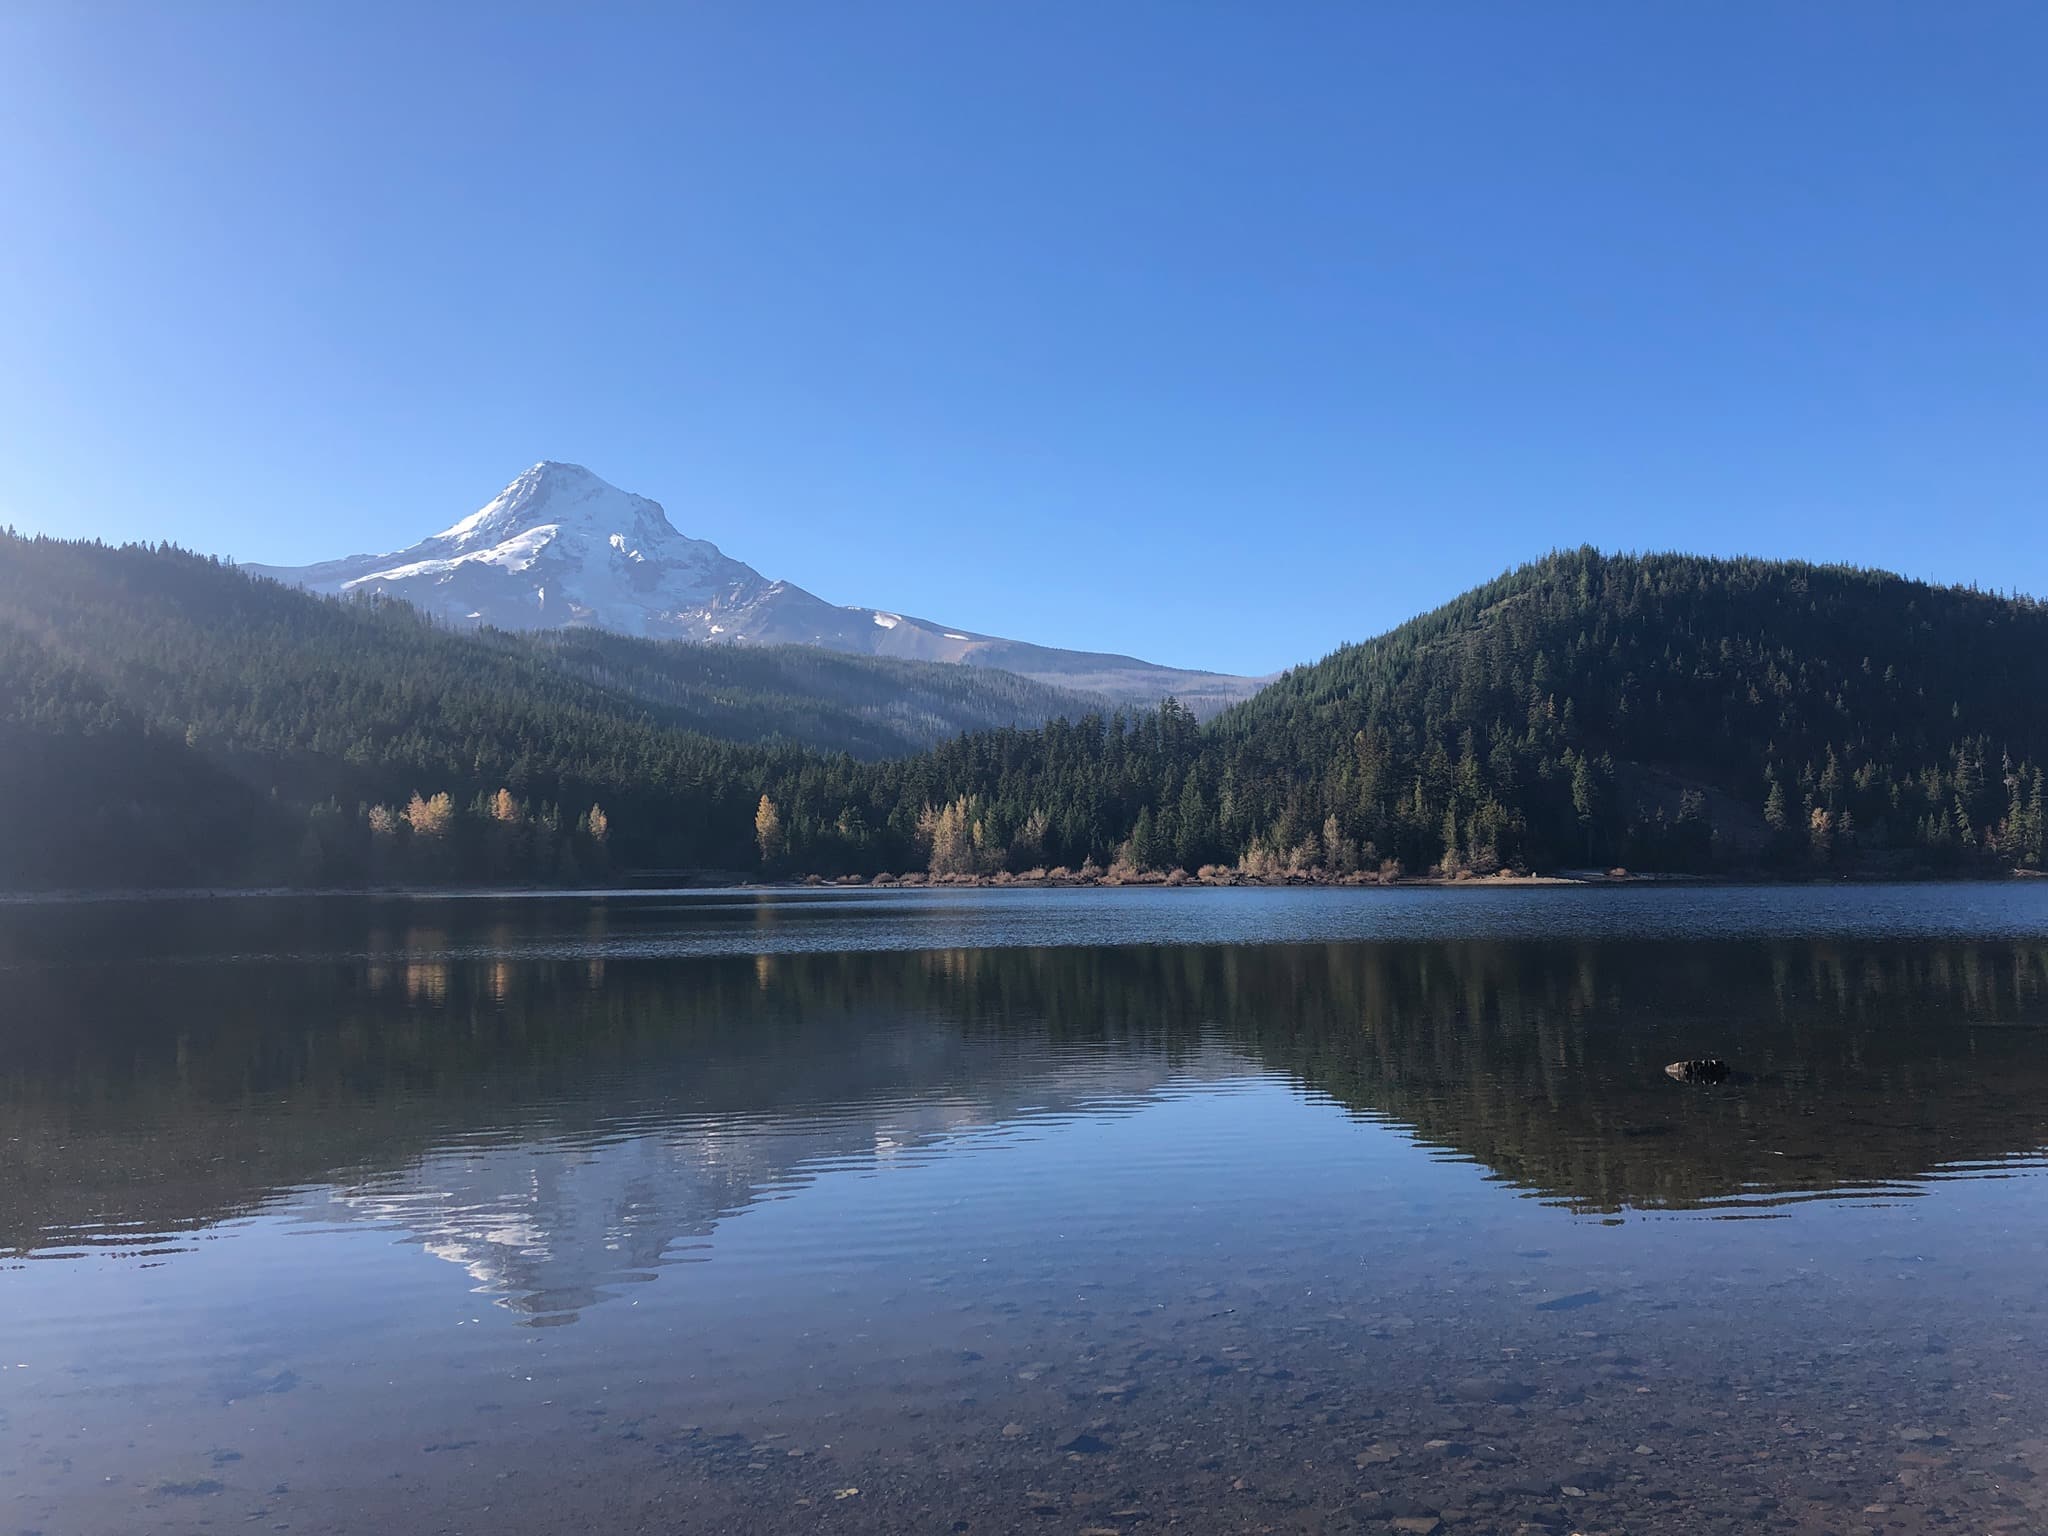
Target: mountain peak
point(557, 493)
point(559, 546)
point(560, 474)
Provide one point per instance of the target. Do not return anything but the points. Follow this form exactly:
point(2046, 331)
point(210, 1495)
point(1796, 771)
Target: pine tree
point(1831, 783)
point(1191, 834)
point(1585, 799)
point(1146, 852)
point(2035, 854)
point(1027, 846)
point(1340, 853)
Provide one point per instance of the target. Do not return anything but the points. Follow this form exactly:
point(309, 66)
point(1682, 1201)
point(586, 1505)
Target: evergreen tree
point(1146, 850)
point(1774, 806)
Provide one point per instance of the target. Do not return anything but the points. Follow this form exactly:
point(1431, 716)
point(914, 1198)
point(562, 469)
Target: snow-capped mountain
point(560, 547)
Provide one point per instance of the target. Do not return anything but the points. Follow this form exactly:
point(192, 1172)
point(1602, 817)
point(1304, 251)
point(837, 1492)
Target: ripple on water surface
point(1205, 1210)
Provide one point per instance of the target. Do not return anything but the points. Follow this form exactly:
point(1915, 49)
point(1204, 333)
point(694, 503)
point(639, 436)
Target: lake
point(1064, 1211)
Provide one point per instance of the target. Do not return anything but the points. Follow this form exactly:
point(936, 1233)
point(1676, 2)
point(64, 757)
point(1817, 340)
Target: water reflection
point(561, 1128)
point(530, 1215)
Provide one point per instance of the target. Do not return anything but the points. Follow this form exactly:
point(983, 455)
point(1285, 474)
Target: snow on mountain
point(559, 547)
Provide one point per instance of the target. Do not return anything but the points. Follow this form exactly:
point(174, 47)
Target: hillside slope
point(164, 719)
point(173, 720)
point(1650, 708)
point(1663, 712)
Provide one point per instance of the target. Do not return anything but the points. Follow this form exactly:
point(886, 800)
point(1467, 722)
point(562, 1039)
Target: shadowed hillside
point(178, 722)
point(175, 722)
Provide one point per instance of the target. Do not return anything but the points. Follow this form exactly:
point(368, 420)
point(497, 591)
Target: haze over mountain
point(561, 548)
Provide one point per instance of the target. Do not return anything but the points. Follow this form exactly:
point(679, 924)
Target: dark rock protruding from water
point(1702, 1069)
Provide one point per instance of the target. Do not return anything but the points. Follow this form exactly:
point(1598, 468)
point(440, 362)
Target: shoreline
point(714, 882)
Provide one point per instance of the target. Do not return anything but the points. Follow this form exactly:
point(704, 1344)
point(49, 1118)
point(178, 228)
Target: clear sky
point(1219, 333)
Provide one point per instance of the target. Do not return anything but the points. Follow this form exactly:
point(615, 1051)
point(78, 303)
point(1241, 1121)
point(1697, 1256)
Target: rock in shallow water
point(1700, 1069)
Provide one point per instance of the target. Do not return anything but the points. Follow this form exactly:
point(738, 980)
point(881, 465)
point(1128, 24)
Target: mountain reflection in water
point(563, 1127)
point(1203, 1211)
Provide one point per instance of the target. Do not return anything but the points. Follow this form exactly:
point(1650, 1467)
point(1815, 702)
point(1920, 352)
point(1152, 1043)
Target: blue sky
point(1217, 333)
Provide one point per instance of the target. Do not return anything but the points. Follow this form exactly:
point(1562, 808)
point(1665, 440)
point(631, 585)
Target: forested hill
point(164, 719)
point(171, 719)
point(1667, 711)
point(1660, 712)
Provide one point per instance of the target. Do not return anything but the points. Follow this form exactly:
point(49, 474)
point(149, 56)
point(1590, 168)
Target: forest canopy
point(165, 719)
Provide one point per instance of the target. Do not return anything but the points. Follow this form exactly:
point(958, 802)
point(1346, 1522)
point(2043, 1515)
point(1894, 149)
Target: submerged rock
point(1702, 1069)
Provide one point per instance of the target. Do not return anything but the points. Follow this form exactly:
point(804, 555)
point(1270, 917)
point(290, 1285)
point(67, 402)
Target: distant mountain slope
point(145, 601)
point(870, 706)
point(561, 548)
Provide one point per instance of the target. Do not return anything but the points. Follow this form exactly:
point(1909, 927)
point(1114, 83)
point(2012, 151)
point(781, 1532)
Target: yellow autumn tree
point(768, 830)
point(959, 838)
point(430, 818)
point(598, 824)
point(505, 810)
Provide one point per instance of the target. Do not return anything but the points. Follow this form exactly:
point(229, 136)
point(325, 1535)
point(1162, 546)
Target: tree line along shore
point(165, 720)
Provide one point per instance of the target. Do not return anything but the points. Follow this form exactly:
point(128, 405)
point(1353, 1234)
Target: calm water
point(1071, 1212)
